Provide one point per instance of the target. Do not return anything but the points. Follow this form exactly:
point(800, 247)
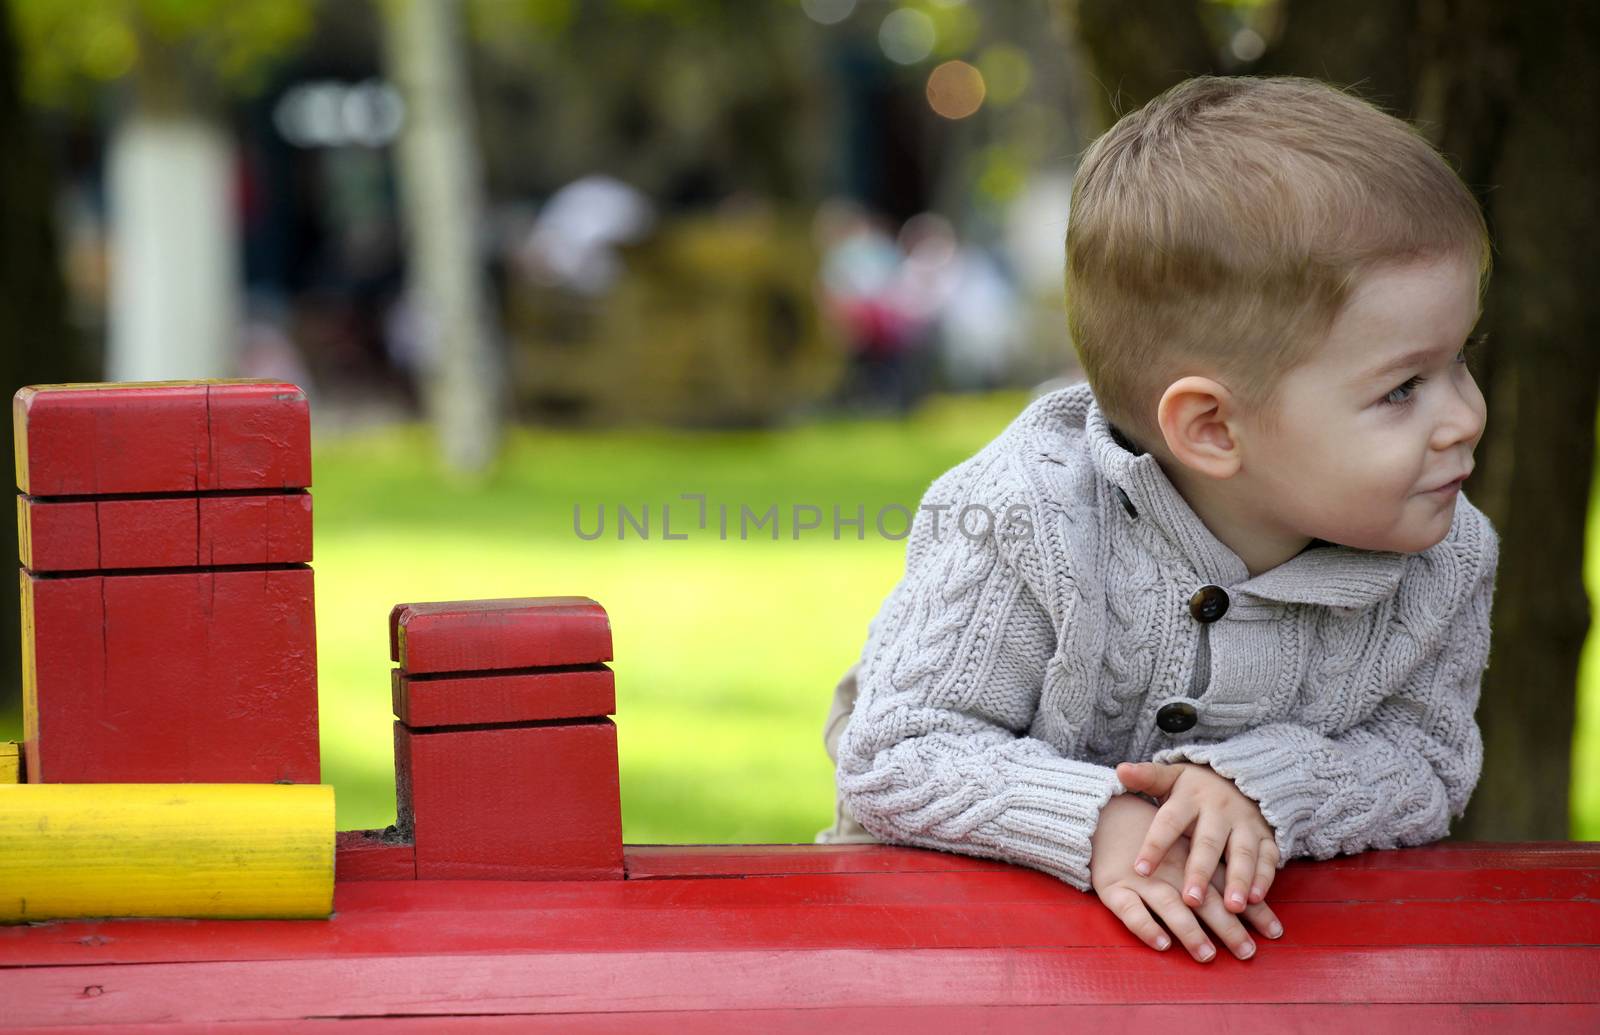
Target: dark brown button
point(1208, 603)
point(1127, 504)
point(1177, 717)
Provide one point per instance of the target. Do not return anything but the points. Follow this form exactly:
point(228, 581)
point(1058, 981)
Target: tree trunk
point(443, 208)
point(1547, 321)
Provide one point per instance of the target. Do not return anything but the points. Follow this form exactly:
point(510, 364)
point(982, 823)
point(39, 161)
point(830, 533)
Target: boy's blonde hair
point(1219, 229)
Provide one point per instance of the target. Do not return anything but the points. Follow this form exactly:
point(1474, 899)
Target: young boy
point(1240, 551)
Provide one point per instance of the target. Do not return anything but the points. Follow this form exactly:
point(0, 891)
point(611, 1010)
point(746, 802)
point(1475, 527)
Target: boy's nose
point(1463, 420)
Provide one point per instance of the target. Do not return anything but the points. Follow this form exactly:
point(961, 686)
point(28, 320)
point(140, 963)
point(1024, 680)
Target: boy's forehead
point(1398, 310)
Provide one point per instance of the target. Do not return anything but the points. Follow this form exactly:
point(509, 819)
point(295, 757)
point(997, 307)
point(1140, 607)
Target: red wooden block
point(205, 677)
point(174, 436)
point(536, 802)
point(554, 693)
point(373, 855)
point(480, 635)
point(164, 532)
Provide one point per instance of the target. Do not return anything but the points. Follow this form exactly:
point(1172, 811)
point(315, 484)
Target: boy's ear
point(1197, 417)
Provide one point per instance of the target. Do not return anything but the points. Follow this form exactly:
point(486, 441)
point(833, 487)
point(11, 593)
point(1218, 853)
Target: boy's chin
point(1410, 541)
point(1425, 540)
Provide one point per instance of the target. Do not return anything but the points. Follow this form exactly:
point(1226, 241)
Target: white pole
point(175, 264)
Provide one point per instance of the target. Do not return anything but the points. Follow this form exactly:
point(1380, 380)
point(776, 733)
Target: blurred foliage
point(713, 97)
point(662, 93)
point(73, 48)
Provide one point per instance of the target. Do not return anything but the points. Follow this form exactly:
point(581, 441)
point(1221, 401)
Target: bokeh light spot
point(828, 12)
point(955, 89)
point(1247, 45)
point(109, 49)
point(1006, 72)
point(907, 36)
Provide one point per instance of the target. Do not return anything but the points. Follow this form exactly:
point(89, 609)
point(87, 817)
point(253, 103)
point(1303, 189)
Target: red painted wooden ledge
point(1452, 937)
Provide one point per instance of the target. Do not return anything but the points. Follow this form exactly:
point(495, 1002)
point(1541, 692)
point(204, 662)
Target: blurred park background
point(530, 258)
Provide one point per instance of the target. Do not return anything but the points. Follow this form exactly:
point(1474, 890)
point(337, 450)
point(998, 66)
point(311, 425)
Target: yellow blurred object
point(714, 321)
point(235, 850)
point(10, 762)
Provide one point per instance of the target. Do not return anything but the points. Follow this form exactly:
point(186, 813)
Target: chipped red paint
point(373, 855)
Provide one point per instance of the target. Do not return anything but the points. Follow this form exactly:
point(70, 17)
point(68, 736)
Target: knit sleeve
point(935, 754)
point(1393, 780)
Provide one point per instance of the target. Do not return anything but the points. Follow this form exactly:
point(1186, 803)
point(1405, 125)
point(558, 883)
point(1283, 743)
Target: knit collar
point(1324, 573)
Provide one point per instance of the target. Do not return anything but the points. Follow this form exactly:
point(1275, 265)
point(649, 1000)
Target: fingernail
point(1247, 950)
point(1206, 952)
point(1143, 868)
point(1162, 943)
point(1195, 893)
point(1275, 931)
point(1234, 896)
point(1255, 893)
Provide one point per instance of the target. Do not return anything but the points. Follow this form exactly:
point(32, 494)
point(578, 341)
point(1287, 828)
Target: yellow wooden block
point(10, 762)
point(236, 850)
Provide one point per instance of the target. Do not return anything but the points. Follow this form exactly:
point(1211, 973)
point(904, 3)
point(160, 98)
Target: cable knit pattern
point(1005, 675)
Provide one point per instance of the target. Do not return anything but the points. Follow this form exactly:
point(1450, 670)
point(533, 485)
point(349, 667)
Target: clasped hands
point(1142, 856)
point(1216, 816)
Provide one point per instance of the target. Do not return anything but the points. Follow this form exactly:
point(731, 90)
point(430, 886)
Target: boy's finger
point(1180, 920)
point(1243, 847)
point(1263, 919)
point(1168, 824)
point(1152, 778)
point(1130, 909)
point(1266, 869)
point(1205, 848)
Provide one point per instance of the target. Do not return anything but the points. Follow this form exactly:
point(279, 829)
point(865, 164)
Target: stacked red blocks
point(505, 760)
point(168, 630)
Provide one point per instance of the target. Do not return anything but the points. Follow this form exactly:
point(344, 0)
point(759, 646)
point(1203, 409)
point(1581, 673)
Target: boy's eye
point(1404, 393)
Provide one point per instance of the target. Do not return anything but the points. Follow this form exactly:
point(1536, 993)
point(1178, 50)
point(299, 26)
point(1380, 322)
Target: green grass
point(726, 651)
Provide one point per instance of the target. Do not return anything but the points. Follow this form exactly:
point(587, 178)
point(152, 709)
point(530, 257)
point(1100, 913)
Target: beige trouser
point(845, 829)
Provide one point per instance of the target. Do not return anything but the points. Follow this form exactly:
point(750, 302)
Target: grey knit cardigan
point(1006, 674)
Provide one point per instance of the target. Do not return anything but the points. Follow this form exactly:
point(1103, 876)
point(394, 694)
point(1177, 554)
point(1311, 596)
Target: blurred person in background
point(864, 292)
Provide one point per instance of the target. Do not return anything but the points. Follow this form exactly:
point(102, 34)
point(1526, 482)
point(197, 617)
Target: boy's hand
point(1122, 826)
point(1216, 815)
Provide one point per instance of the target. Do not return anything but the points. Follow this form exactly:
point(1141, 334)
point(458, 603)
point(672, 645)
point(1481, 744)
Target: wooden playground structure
point(168, 857)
